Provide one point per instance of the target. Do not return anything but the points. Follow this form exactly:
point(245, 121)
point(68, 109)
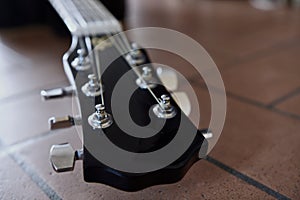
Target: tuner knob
point(100, 118)
point(57, 92)
point(168, 77)
point(63, 122)
point(92, 88)
point(147, 79)
point(63, 157)
point(164, 109)
point(136, 56)
point(81, 62)
point(207, 133)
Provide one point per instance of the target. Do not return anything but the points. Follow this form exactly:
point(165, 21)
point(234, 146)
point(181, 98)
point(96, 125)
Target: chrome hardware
point(92, 88)
point(63, 122)
point(147, 79)
point(135, 56)
point(164, 109)
point(81, 62)
point(63, 157)
point(57, 92)
point(100, 119)
point(208, 134)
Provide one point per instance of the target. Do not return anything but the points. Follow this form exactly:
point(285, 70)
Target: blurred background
point(256, 46)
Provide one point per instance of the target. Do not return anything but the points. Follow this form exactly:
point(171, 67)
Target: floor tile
point(229, 30)
point(37, 43)
point(265, 79)
point(15, 184)
point(18, 82)
point(291, 105)
point(28, 116)
point(257, 53)
point(30, 60)
point(203, 181)
point(262, 144)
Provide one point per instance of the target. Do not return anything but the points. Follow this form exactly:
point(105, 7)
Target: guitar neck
point(86, 18)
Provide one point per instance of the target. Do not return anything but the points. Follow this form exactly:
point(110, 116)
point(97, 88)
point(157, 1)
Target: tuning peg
point(63, 157)
point(168, 78)
point(164, 109)
point(207, 133)
point(81, 62)
point(183, 102)
point(63, 122)
point(136, 56)
point(147, 79)
point(57, 92)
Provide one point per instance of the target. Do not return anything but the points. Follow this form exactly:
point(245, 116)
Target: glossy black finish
point(140, 103)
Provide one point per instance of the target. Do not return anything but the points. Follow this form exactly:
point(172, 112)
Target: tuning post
point(63, 157)
point(81, 62)
point(100, 118)
point(136, 56)
point(147, 79)
point(165, 109)
point(92, 88)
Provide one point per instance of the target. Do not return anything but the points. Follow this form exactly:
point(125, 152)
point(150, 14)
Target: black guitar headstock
point(134, 133)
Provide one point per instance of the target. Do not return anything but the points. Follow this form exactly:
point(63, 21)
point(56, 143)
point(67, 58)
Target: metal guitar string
point(119, 39)
point(123, 46)
point(95, 62)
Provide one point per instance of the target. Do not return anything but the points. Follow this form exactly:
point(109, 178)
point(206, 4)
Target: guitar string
point(96, 63)
point(123, 47)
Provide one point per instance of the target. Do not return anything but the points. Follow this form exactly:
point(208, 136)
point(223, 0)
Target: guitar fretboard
point(86, 17)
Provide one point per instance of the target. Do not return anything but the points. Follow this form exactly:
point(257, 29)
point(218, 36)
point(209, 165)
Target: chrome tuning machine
point(164, 109)
point(100, 118)
point(92, 88)
point(57, 92)
point(147, 79)
point(136, 56)
point(81, 62)
point(63, 122)
point(63, 157)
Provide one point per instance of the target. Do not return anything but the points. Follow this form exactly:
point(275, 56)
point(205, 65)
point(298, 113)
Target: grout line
point(40, 182)
point(35, 177)
point(28, 92)
point(261, 105)
point(42, 185)
point(288, 114)
point(290, 43)
point(247, 179)
point(19, 144)
point(254, 103)
point(11, 148)
point(283, 98)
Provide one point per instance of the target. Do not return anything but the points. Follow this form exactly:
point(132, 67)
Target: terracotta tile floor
point(257, 155)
